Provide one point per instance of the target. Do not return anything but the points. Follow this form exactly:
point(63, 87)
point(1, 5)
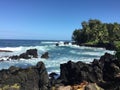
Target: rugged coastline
point(107, 46)
point(103, 74)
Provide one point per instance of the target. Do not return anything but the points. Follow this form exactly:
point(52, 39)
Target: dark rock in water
point(1, 60)
point(24, 55)
point(14, 57)
point(104, 72)
point(32, 78)
point(5, 51)
point(107, 46)
point(45, 55)
point(57, 44)
point(31, 53)
point(66, 43)
point(74, 43)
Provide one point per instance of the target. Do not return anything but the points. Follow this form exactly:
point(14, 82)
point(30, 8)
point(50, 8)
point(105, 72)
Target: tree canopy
point(95, 31)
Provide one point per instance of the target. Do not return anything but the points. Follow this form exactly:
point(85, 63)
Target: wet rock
point(31, 53)
point(32, 78)
point(5, 51)
point(15, 57)
point(66, 43)
point(24, 56)
point(74, 43)
point(74, 73)
point(45, 55)
point(57, 44)
point(105, 72)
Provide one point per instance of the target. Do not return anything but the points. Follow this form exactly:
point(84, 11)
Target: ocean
point(57, 54)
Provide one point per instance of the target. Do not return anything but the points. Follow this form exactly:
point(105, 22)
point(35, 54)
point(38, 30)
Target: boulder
point(104, 72)
point(45, 55)
point(74, 73)
point(24, 56)
point(57, 44)
point(31, 78)
point(31, 53)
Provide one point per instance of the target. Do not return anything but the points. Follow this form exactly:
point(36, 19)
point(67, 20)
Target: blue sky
point(52, 19)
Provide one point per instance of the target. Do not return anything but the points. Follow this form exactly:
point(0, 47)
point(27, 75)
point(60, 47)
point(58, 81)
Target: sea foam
point(57, 55)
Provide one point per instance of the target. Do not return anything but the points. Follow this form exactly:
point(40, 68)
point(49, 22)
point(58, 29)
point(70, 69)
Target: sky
point(52, 19)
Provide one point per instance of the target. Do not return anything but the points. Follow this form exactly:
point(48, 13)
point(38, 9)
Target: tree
point(96, 31)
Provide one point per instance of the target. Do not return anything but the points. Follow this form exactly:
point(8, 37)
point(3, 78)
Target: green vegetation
point(117, 49)
point(94, 31)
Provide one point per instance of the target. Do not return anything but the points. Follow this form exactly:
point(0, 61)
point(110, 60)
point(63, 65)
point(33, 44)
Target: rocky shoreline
point(102, 74)
point(5, 51)
point(107, 46)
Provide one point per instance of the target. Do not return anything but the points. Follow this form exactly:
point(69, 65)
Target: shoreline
point(68, 75)
point(5, 51)
point(107, 46)
point(72, 75)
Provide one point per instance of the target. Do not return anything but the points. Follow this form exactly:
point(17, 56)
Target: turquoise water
point(58, 54)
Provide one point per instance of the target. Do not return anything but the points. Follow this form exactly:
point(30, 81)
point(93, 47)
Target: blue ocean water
point(58, 54)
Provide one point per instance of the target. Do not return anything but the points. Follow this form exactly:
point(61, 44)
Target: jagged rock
point(107, 58)
point(24, 55)
point(15, 57)
point(105, 72)
point(53, 78)
point(45, 55)
point(74, 73)
point(31, 53)
point(32, 78)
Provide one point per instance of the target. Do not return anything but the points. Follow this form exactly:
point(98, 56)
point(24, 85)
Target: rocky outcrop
point(107, 46)
point(105, 72)
point(5, 51)
point(45, 55)
point(32, 78)
point(31, 53)
point(66, 43)
point(57, 44)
